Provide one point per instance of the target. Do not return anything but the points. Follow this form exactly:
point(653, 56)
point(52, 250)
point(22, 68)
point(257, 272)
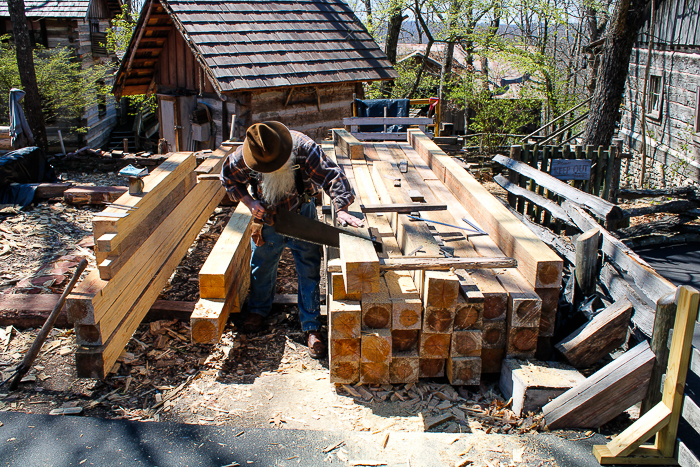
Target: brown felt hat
point(267, 146)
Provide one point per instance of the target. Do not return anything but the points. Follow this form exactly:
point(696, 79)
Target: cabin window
point(654, 96)
point(98, 40)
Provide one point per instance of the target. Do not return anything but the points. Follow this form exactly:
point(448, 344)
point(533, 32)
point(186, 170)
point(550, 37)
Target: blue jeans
point(263, 273)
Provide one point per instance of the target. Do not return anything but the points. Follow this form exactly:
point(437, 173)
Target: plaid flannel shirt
point(318, 172)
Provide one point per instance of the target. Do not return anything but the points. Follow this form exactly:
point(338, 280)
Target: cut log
point(600, 336)
point(495, 296)
point(494, 334)
point(208, 320)
point(360, 265)
point(374, 372)
point(677, 207)
point(404, 340)
point(438, 319)
point(227, 258)
point(376, 346)
point(82, 195)
point(468, 315)
point(440, 289)
point(550, 306)
point(603, 210)
point(406, 305)
point(538, 264)
point(644, 276)
point(466, 344)
point(524, 305)
point(344, 372)
point(347, 144)
point(344, 350)
point(432, 367)
point(337, 284)
point(376, 307)
point(464, 371)
point(433, 345)
point(522, 342)
point(492, 360)
point(605, 394)
point(344, 319)
point(533, 384)
point(404, 368)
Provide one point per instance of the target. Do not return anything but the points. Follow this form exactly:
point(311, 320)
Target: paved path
point(43, 440)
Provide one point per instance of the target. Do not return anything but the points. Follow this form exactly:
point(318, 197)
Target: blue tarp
point(20, 172)
point(375, 108)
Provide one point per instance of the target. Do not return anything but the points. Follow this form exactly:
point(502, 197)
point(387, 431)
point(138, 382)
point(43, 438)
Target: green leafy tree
point(66, 89)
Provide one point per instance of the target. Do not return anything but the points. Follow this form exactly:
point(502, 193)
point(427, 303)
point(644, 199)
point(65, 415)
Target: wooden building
point(80, 25)
point(673, 97)
point(298, 62)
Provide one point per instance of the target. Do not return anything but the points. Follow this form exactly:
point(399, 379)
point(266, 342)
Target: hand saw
point(301, 227)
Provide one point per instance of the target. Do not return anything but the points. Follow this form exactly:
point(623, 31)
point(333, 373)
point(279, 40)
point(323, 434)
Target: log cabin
point(297, 62)
point(672, 96)
point(80, 25)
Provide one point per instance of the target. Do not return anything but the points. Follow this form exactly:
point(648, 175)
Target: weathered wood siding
point(689, 426)
point(311, 110)
point(672, 139)
point(178, 68)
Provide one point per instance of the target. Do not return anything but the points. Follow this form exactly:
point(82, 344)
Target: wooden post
point(532, 186)
point(540, 189)
point(601, 160)
point(125, 143)
point(232, 130)
point(616, 167)
point(587, 260)
point(590, 155)
point(663, 321)
point(60, 140)
point(525, 155)
point(513, 176)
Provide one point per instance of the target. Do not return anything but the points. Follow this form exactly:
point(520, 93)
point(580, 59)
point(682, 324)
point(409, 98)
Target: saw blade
point(301, 227)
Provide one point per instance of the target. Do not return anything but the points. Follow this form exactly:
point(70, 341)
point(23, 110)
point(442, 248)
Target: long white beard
point(277, 184)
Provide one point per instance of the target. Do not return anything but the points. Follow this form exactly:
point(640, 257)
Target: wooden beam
point(550, 206)
point(619, 289)
point(538, 264)
point(464, 371)
point(587, 245)
point(404, 368)
point(605, 394)
point(603, 210)
point(347, 144)
point(644, 276)
point(377, 307)
point(434, 264)
point(375, 356)
point(663, 321)
point(402, 208)
point(406, 304)
point(81, 195)
point(359, 264)
point(226, 259)
point(600, 336)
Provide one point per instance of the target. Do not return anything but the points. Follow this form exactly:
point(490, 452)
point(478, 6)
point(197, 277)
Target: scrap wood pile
point(609, 289)
point(138, 245)
point(396, 326)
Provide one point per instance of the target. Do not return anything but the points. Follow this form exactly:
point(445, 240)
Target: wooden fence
point(604, 179)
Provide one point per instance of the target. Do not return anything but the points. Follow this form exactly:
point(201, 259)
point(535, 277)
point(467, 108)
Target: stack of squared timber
point(399, 326)
point(137, 251)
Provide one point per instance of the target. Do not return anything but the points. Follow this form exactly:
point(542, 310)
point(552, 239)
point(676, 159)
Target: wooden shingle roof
point(51, 8)
point(253, 44)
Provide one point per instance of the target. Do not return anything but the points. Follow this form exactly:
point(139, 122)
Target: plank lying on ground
point(95, 362)
point(81, 195)
point(552, 207)
point(620, 289)
point(600, 336)
point(602, 209)
point(226, 258)
point(50, 190)
point(434, 264)
point(605, 394)
point(31, 310)
point(537, 263)
point(644, 276)
point(347, 144)
point(532, 384)
point(107, 307)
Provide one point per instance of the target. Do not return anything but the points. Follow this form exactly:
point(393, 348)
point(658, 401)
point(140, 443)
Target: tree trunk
point(368, 9)
point(627, 19)
point(396, 19)
point(27, 75)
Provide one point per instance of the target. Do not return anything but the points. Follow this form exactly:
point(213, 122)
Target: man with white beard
point(285, 169)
